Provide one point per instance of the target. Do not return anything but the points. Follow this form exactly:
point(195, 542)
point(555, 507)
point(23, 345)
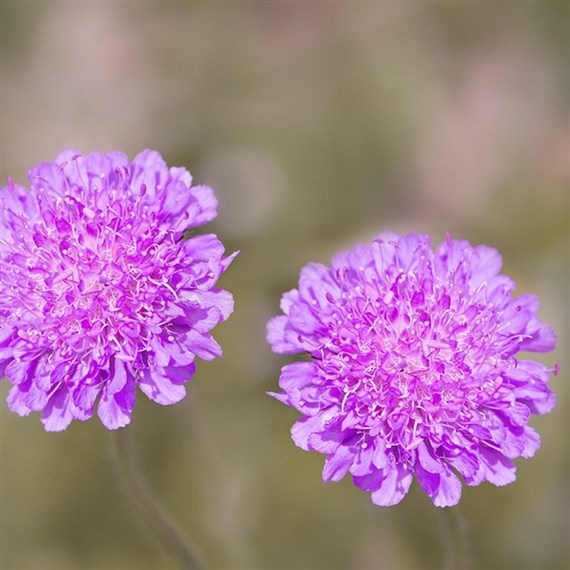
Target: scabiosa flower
point(413, 367)
point(99, 291)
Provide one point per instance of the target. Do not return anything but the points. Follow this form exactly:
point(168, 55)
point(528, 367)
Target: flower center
point(89, 278)
point(401, 358)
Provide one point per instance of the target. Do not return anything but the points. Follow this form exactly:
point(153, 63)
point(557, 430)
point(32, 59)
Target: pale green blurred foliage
point(318, 124)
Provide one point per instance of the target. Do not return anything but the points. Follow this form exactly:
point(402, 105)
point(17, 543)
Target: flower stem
point(453, 533)
point(140, 494)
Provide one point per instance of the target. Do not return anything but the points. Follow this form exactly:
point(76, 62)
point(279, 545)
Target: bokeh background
point(318, 124)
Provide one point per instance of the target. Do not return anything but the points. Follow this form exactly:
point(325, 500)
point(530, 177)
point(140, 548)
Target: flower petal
point(161, 389)
point(393, 488)
point(58, 412)
point(115, 408)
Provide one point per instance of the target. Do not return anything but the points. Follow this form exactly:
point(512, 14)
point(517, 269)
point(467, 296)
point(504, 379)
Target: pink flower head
point(413, 368)
point(99, 291)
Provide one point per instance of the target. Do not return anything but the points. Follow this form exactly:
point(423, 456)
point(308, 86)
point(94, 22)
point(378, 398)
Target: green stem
point(453, 532)
point(138, 491)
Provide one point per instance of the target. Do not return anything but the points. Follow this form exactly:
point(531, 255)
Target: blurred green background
point(318, 124)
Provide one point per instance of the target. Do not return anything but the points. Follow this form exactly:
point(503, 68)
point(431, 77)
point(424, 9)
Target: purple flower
point(413, 367)
point(99, 291)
